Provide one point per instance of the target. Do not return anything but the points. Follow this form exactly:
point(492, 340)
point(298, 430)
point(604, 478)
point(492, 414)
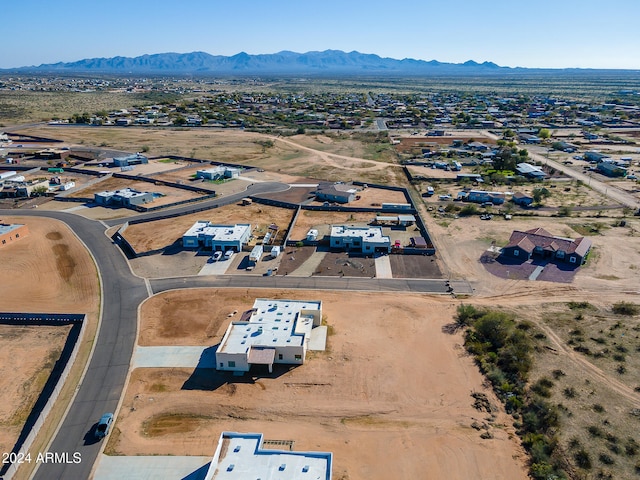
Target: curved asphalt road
point(105, 378)
point(253, 189)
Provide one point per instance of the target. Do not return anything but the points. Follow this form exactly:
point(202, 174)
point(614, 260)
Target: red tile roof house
point(541, 244)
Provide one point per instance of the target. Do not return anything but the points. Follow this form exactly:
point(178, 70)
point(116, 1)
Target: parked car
point(228, 254)
point(269, 273)
point(104, 425)
point(445, 197)
point(216, 256)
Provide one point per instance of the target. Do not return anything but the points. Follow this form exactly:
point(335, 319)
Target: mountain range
point(328, 62)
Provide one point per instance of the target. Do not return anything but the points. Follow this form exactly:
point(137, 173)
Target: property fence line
point(22, 446)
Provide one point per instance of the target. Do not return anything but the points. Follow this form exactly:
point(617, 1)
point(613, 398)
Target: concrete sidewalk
point(383, 267)
point(151, 467)
point(167, 357)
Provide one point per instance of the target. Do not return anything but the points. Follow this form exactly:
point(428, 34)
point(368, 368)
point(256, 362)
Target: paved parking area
point(215, 268)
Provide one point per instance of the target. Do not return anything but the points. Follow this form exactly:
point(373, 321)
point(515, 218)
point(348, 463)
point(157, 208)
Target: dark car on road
point(104, 425)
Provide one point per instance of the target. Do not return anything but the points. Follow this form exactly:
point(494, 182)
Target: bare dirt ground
point(408, 144)
point(414, 266)
point(234, 146)
point(294, 257)
point(31, 351)
point(47, 271)
point(360, 399)
point(170, 195)
point(612, 265)
point(308, 219)
point(148, 236)
point(344, 265)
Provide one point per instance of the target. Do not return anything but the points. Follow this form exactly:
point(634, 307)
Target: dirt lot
point(612, 265)
point(47, 271)
point(170, 195)
point(166, 232)
point(293, 194)
point(32, 351)
point(276, 154)
point(344, 265)
point(321, 220)
point(359, 399)
point(294, 257)
point(414, 266)
point(408, 144)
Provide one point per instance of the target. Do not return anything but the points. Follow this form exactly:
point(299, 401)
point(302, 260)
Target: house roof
point(539, 237)
point(520, 195)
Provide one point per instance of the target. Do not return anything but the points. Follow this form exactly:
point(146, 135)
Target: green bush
point(625, 308)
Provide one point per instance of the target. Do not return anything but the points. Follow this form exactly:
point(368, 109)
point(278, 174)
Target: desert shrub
point(598, 408)
point(606, 459)
point(542, 387)
point(625, 308)
point(468, 210)
point(466, 314)
point(594, 431)
point(579, 305)
point(570, 392)
point(582, 459)
point(631, 447)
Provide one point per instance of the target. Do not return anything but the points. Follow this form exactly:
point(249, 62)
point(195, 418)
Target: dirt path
point(329, 158)
point(541, 296)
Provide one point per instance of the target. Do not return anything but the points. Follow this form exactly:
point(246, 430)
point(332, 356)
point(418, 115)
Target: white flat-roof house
point(217, 237)
point(241, 456)
point(127, 197)
point(273, 331)
point(218, 172)
point(359, 239)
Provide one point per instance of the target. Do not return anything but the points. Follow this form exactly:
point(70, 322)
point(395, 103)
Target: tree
point(539, 194)
point(544, 133)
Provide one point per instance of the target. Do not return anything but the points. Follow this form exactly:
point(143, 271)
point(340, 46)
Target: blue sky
point(544, 33)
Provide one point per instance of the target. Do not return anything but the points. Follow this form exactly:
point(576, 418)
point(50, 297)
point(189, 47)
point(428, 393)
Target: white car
point(216, 256)
point(228, 254)
point(445, 197)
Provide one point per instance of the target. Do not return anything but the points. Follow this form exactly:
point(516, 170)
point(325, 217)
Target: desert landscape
point(48, 271)
point(358, 399)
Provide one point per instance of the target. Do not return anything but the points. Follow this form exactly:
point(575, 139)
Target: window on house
point(298, 357)
point(572, 259)
point(232, 364)
point(280, 356)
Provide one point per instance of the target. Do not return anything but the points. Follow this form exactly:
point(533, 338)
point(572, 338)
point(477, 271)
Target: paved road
point(105, 378)
point(307, 283)
point(254, 189)
point(607, 189)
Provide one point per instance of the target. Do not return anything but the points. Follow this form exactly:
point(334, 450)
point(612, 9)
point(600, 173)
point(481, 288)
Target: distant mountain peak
point(326, 62)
